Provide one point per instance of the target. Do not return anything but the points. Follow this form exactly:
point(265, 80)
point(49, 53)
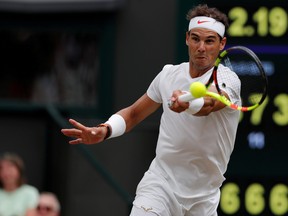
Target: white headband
point(208, 23)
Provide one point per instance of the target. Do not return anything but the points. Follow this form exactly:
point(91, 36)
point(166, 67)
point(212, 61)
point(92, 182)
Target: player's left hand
point(83, 134)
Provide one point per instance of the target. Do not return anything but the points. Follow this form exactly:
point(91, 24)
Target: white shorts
point(154, 195)
point(142, 212)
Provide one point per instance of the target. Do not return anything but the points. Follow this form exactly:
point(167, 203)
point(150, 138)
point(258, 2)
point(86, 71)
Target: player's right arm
point(132, 115)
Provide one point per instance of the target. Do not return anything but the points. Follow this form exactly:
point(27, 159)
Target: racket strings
point(250, 74)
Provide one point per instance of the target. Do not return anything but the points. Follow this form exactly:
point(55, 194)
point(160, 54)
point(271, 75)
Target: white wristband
point(195, 105)
point(117, 125)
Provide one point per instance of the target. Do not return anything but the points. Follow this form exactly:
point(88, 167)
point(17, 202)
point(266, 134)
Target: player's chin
point(203, 65)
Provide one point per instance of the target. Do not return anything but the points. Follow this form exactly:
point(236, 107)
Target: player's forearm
point(138, 111)
point(131, 117)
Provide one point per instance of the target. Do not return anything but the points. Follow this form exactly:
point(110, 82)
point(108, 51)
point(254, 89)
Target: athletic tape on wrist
point(117, 124)
point(195, 105)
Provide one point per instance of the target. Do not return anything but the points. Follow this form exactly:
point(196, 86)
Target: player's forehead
point(203, 33)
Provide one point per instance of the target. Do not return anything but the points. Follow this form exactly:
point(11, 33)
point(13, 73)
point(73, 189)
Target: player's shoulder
point(172, 68)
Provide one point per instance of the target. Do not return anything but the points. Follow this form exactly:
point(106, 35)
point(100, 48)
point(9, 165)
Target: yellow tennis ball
point(197, 89)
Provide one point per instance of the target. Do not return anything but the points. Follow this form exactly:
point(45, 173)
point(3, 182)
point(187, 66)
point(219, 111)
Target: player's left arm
point(138, 111)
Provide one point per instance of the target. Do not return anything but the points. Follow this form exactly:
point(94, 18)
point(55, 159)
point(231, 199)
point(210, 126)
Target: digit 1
point(261, 17)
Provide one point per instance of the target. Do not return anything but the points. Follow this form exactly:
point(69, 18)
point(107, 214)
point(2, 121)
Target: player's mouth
point(201, 57)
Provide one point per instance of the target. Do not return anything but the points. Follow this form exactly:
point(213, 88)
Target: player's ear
point(187, 38)
point(223, 43)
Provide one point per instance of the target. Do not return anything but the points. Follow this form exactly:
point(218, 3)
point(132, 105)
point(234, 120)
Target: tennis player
point(196, 138)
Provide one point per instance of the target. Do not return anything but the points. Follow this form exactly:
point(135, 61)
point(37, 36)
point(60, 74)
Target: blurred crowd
point(17, 196)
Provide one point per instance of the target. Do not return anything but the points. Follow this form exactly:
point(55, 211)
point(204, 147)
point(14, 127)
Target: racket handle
point(183, 98)
point(186, 97)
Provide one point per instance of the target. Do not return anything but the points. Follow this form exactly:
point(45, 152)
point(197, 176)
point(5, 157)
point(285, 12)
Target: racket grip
point(183, 98)
point(186, 97)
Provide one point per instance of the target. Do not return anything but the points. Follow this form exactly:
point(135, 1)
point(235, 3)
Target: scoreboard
point(257, 176)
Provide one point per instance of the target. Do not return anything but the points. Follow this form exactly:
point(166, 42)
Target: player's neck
point(197, 72)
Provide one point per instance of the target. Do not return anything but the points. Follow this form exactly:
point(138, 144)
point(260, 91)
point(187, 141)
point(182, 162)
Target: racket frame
point(220, 96)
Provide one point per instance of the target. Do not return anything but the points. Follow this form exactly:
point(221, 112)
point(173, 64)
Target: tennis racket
point(237, 66)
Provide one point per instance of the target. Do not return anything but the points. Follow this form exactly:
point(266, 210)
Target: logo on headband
point(202, 21)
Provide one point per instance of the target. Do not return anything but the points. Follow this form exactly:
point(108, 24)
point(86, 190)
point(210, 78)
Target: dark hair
point(18, 162)
point(204, 10)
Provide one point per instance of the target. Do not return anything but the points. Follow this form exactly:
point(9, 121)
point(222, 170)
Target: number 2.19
point(273, 22)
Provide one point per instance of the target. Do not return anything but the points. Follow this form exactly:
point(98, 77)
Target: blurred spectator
point(16, 197)
point(48, 205)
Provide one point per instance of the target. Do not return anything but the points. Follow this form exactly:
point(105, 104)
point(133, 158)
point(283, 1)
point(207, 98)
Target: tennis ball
point(197, 89)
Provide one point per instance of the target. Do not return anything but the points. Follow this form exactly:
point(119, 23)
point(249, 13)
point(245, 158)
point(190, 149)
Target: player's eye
point(210, 41)
point(196, 39)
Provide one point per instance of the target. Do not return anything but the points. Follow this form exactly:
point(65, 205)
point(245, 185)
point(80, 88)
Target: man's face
point(47, 206)
point(204, 46)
